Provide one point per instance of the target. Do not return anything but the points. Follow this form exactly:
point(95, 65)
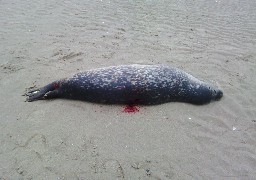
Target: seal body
point(131, 84)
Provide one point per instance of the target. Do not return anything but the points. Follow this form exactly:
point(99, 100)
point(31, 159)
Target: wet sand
point(63, 139)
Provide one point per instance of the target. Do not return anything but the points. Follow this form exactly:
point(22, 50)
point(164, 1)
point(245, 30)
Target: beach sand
point(42, 41)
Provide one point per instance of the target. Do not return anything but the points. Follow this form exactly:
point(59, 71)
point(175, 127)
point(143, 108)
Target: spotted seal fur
point(130, 84)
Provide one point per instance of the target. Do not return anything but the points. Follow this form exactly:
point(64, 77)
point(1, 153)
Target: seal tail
point(46, 92)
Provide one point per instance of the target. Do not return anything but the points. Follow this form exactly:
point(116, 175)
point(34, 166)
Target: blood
point(56, 85)
point(131, 109)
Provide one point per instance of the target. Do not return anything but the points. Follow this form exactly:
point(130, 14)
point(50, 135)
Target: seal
point(130, 84)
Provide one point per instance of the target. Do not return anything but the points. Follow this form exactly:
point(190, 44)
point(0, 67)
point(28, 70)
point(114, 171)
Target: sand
point(42, 41)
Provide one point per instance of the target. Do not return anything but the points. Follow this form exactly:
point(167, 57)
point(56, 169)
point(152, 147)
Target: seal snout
point(217, 95)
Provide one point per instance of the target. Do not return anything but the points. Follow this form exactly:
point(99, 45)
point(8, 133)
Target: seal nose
point(219, 95)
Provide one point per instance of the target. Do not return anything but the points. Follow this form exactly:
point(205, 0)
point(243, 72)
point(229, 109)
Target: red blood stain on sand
point(131, 109)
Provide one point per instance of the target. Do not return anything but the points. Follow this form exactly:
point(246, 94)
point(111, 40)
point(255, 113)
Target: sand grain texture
point(43, 41)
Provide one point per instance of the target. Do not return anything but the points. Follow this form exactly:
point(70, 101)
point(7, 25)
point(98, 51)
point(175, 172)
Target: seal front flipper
point(46, 92)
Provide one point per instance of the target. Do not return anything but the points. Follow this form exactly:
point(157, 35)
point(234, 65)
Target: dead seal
point(130, 84)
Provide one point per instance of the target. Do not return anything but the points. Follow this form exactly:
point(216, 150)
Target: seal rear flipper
point(52, 94)
point(35, 95)
point(39, 94)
